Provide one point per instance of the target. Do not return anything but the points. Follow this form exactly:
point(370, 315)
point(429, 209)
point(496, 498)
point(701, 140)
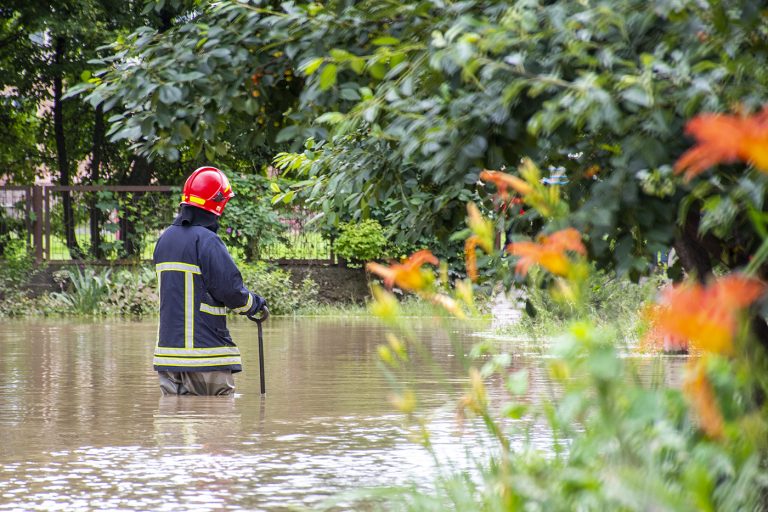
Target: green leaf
point(331, 118)
point(340, 55)
point(385, 41)
point(312, 66)
point(328, 76)
point(184, 130)
point(357, 64)
point(377, 70)
point(517, 383)
point(348, 93)
point(169, 94)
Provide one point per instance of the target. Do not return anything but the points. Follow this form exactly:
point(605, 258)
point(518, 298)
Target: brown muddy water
point(83, 425)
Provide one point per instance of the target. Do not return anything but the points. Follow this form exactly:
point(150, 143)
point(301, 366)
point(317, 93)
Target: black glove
point(258, 309)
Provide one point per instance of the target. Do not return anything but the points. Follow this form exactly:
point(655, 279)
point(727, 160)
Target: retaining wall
point(335, 284)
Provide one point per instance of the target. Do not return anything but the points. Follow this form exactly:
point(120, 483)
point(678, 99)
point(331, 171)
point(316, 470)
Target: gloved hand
point(259, 309)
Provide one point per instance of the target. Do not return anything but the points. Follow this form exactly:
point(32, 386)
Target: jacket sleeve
point(221, 276)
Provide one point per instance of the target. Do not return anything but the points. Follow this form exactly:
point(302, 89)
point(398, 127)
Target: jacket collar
point(192, 216)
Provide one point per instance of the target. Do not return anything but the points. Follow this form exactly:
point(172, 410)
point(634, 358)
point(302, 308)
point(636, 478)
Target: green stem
point(758, 259)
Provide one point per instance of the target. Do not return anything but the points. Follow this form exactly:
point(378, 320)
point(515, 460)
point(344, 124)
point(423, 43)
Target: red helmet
point(207, 188)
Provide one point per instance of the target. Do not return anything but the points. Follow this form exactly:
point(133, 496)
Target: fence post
point(37, 225)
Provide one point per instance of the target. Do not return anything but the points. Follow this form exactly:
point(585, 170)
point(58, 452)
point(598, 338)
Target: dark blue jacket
point(198, 282)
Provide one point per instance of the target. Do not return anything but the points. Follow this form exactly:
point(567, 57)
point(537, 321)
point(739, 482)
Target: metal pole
point(264, 316)
point(261, 357)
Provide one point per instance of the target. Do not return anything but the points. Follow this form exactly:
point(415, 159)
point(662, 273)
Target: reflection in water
point(84, 426)
point(189, 420)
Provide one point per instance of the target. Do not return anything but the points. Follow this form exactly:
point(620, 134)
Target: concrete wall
point(335, 284)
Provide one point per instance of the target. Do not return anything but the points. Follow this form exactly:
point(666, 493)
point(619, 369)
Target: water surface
point(83, 425)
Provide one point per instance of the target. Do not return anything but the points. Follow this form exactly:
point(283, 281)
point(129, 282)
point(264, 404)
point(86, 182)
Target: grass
point(410, 307)
point(611, 301)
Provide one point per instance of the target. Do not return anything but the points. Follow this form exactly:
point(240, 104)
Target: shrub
point(133, 292)
point(275, 285)
point(86, 290)
point(609, 298)
point(361, 241)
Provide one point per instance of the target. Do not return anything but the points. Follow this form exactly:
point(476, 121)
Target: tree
point(406, 103)
point(43, 51)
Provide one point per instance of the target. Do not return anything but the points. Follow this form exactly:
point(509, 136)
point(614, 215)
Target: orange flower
point(706, 316)
point(504, 181)
point(592, 171)
point(481, 227)
point(725, 139)
point(470, 257)
point(549, 252)
point(407, 275)
point(702, 397)
point(482, 236)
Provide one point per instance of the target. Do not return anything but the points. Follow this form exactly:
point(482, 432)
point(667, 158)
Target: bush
point(275, 285)
point(133, 292)
point(15, 272)
point(10, 231)
point(361, 241)
point(86, 290)
point(610, 299)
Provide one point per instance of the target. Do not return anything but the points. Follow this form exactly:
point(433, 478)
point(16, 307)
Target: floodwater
point(83, 425)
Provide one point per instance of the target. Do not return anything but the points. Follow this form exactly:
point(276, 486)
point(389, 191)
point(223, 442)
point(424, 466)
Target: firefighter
point(197, 282)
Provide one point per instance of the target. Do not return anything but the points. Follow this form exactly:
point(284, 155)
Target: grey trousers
point(219, 382)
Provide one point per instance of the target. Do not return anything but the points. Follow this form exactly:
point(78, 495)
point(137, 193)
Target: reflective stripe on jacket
point(197, 281)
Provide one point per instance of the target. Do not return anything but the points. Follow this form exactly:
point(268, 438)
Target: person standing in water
point(198, 281)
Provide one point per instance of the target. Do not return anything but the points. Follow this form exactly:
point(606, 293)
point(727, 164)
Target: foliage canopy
point(407, 102)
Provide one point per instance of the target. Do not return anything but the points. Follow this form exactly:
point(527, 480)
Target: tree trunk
point(140, 175)
point(96, 156)
point(61, 150)
point(695, 252)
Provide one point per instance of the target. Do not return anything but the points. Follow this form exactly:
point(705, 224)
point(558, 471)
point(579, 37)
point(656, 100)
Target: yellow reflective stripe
point(196, 200)
point(177, 265)
point(212, 310)
point(189, 310)
point(159, 294)
point(197, 352)
point(197, 361)
point(243, 309)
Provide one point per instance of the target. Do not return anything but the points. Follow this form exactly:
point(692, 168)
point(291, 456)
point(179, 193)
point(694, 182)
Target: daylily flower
point(504, 182)
point(482, 236)
point(549, 252)
point(722, 138)
point(707, 316)
point(470, 257)
point(407, 275)
point(704, 402)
